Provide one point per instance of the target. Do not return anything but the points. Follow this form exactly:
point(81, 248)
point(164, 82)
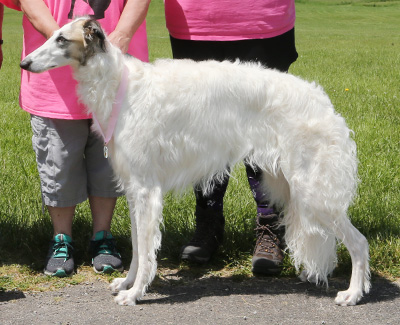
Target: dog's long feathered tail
point(316, 184)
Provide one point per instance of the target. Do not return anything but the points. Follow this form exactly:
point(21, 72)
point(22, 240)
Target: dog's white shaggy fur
point(183, 123)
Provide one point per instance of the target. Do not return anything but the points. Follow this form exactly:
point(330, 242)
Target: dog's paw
point(305, 277)
point(125, 298)
point(118, 284)
point(348, 297)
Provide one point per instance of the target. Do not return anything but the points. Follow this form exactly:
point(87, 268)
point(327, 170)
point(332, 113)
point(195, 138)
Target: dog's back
point(188, 104)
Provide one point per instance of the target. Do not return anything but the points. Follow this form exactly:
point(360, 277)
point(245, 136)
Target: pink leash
point(119, 98)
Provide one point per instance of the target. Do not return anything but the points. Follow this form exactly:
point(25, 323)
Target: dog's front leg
point(119, 284)
point(148, 214)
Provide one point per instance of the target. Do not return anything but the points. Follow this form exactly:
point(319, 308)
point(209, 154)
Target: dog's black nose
point(25, 64)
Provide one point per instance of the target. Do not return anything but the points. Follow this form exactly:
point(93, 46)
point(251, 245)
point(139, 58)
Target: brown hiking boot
point(267, 256)
point(207, 238)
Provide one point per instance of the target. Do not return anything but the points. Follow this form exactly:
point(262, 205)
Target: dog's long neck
point(98, 82)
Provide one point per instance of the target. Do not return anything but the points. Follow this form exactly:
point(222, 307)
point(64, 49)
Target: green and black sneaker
point(105, 259)
point(59, 260)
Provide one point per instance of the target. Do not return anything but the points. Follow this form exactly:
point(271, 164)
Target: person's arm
point(1, 33)
point(132, 16)
point(40, 16)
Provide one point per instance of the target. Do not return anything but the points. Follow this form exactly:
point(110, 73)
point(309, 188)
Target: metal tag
point(105, 150)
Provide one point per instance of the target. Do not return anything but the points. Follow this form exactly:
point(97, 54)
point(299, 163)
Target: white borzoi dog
point(183, 123)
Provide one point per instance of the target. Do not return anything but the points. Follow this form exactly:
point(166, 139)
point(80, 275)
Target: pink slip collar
point(119, 98)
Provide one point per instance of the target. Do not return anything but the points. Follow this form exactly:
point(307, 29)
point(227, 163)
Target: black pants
point(276, 53)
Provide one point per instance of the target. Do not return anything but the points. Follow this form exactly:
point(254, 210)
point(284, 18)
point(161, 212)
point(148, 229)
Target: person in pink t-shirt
point(69, 155)
point(252, 30)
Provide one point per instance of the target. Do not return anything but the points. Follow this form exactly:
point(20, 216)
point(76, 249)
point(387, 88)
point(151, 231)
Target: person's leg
point(103, 192)
point(61, 219)
point(210, 220)
point(254, 178)
point(210, 224)
point(59, 149)
point(277, 53)
point(59, 260)
point(105, 257)
point(102, 209)
point(267, 255)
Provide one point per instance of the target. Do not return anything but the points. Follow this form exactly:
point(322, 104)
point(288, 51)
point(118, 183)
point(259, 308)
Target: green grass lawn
point(351, 48)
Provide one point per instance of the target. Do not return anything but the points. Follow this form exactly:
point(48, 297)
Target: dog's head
point(73, 44)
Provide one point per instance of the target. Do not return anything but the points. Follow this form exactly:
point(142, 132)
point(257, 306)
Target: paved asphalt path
point(178, 300)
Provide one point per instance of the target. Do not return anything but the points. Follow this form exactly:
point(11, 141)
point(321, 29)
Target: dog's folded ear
point(94, 35)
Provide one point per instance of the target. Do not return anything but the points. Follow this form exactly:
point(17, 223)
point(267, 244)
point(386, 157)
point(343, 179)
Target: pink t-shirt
point(53, 93)
point(229, 20)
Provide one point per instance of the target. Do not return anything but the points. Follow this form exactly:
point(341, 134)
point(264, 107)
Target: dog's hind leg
point(148, 214)
point(357, 245)
point(276, 188)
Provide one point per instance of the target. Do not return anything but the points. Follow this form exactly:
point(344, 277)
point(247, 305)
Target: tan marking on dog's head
point(73, 44)
point(75, 31)
point(85, 37)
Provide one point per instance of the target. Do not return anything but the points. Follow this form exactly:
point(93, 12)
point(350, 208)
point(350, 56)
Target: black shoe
point(105, 259)
point(267, 256)
point(59, 260)
point(207, 238)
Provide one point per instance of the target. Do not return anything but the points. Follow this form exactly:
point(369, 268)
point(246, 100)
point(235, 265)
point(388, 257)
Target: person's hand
point(120, 40)
point(131, 18)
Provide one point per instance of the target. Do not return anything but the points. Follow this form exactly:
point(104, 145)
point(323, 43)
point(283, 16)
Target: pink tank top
point(229, 20)
point(53, 93)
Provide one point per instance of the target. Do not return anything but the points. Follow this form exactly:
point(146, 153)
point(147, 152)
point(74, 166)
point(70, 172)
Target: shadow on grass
point(25, 240)
point(26, 243)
